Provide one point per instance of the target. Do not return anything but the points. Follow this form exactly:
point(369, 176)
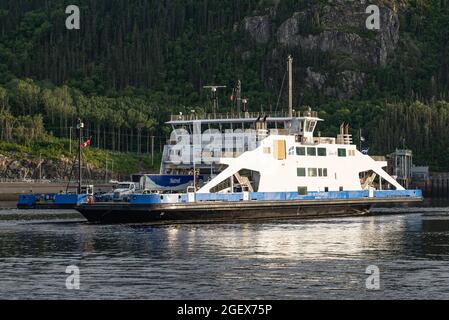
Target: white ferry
point(290, 174)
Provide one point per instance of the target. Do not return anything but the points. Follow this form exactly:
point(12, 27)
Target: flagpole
point(79, 126)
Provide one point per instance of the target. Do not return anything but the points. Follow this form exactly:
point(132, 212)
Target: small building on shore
point(400, 165)
point(420, 174)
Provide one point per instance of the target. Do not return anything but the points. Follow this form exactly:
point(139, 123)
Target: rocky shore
point(46, 169)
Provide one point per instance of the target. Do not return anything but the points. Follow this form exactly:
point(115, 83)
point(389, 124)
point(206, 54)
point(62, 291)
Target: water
point(313, 259)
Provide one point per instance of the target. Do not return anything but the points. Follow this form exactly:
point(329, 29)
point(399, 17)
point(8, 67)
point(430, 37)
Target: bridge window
point(301, 172)
point(310, 126)
point(311, 152)
point(342, 152)
point(322, 152)
point(302, 191)
point(300, 151)
point(291, 151)
point(313, 172)
point(322, 172)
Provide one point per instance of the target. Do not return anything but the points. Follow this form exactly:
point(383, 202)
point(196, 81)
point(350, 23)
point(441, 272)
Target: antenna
point(290, 85)
point(239, 96)
point(214, 89)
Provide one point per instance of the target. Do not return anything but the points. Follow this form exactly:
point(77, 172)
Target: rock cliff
point(335, 33)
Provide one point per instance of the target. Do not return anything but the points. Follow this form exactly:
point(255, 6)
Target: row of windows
point(302, 151)
point(312, 172)
point(320, 152)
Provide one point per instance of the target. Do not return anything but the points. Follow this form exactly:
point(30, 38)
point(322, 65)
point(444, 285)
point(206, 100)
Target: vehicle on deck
point(123, 191)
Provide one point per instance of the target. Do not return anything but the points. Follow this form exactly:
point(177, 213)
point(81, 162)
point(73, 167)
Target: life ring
point(90, 200)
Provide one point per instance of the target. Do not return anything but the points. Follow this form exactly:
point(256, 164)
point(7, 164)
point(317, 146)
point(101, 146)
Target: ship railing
point(204, 156)
point(344, 139)
point(281, 132)
point(235, 115)
point(324, 140)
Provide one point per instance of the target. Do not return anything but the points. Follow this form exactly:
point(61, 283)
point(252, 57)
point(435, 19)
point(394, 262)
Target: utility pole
point(290, 86)
point(106, 175)
point(80, 127)
point(194, 173)
point(112, 170)
point(152, 150)
point(40, 167)
point(70, 139)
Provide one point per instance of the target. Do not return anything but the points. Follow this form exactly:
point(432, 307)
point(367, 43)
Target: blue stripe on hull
point(273, 196)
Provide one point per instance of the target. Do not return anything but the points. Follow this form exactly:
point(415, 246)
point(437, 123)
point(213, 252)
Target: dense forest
point(133, 62)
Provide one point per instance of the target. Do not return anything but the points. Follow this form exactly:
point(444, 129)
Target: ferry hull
point(225, 212)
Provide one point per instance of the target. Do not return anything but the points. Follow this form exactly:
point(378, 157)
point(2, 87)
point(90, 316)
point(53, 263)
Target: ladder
point(369, 181)
point(244, 182)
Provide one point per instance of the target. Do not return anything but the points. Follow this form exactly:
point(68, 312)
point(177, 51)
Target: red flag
point(85, 144)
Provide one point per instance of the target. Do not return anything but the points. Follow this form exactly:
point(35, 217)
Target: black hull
point(210, 212)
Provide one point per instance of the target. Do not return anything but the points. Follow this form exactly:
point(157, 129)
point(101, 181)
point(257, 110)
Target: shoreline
point(10, 191)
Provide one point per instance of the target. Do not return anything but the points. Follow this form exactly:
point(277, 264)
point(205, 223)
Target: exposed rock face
point(288, 33)
point(351, 83)
point(389, 34)
point(346, 84)
point(259, 28)
point(343, 25)
point(338, 42)
point(315, 79)
point(52, 170)
point(337, 29)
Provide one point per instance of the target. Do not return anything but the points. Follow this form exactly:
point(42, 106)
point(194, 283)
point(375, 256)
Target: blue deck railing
point(30, 200)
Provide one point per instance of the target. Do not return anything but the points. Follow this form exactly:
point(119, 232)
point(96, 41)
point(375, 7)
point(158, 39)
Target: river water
point(304, 259)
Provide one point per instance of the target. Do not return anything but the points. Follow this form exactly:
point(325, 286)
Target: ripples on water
point(313, 259)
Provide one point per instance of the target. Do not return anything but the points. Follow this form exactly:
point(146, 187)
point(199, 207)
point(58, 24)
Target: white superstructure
point(296, 161)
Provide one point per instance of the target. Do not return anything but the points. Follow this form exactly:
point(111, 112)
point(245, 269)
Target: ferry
point(290, 174)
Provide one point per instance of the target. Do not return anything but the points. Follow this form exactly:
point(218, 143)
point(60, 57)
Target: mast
point(239, 96)
point(360, 139)
point(290, 86)
point(80, 127)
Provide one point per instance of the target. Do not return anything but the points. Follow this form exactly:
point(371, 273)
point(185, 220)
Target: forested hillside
point(134, 62)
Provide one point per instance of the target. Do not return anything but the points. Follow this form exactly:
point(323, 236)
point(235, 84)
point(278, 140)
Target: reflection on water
point(285, 260)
